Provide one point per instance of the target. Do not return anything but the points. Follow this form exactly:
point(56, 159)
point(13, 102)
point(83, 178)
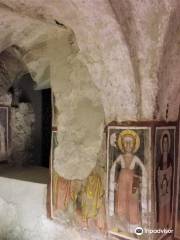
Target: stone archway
point(50, 54)
point(105, 69)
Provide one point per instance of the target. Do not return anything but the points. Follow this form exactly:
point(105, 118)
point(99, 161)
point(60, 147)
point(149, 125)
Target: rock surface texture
point(119, 58)
point(22, 119)
point(105, 60)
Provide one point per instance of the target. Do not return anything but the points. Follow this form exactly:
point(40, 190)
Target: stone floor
point(23, 213)
point(28, 173)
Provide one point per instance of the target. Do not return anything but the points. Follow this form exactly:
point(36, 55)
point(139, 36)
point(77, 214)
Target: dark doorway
point(46, 126)
point(40, 101)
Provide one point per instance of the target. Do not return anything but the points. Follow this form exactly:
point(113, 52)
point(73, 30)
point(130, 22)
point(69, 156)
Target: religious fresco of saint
point(78, 202)
point(4, 132)
point(165, 176)
point(128, 169)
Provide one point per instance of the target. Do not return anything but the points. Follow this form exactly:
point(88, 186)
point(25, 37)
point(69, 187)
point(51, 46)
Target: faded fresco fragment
point(165, 175)
point(78, 202)
point(127, 156)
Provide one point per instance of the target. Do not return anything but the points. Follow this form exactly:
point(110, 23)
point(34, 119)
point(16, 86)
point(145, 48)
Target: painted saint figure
point(164, 182)
point(80, 201)
point(64, 193)
point(127, 195)
point(92, 202)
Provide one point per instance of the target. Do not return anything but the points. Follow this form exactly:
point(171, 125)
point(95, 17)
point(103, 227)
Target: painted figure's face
point(165, 144)
point(128, 144)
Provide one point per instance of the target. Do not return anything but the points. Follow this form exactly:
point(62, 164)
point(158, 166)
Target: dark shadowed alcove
point(40, 100)
point(46, 127)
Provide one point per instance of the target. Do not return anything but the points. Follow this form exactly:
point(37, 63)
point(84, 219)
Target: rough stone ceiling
point(124, 39)
point(27, 39)
point(116, 59)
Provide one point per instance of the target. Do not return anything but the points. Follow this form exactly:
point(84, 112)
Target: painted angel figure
point(164, 182)
point(127, 189)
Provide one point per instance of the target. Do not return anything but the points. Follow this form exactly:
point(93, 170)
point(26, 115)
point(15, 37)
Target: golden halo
point(130, 133)
point(165, 132)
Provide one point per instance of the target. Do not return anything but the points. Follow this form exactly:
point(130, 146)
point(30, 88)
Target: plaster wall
point(22, 140)
point(21, 126)
point(96, 54)
point(105, 60)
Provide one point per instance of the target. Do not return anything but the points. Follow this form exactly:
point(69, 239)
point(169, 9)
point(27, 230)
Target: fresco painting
point(78, 202)
point(165, 176)
point(135, 188)
point(127, 189)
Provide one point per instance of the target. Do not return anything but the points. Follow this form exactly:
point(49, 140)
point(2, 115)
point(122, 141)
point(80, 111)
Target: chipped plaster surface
point(129, 60)
point(22, 127)
point(105, 61)
point(105, 58)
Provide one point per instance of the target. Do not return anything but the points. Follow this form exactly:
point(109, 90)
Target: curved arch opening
point(28, 122)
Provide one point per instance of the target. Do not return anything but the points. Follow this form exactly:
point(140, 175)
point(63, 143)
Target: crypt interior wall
point(28, 111)
point(104, 62)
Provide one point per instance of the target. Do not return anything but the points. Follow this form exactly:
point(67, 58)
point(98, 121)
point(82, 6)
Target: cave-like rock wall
point(21, 119)
point(106, 59)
